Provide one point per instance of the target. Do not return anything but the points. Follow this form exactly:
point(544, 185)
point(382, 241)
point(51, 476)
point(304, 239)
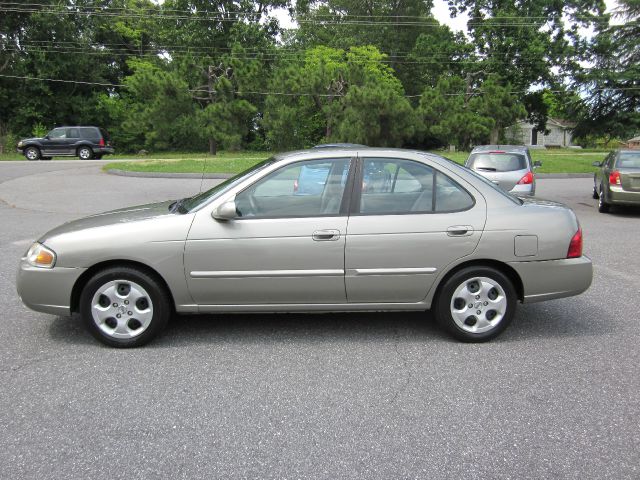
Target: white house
point(559, 135)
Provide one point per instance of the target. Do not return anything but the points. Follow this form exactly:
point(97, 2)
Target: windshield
point(497, 161)
point(456, 166)
point(628, 160)
point(198, 200)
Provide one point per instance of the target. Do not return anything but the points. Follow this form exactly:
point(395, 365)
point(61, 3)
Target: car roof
point(339, 145)
point(502, 148)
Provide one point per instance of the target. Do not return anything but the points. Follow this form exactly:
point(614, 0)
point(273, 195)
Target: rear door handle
point(326, 235)
point(460, 230)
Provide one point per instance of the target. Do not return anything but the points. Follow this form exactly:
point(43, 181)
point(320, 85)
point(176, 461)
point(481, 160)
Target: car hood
point(25, 140)
point(112, 217)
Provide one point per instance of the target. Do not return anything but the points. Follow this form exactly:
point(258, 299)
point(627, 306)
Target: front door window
point(304, 189)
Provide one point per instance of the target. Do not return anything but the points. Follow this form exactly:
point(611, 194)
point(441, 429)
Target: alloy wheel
point(478, 305)
point(122, 309)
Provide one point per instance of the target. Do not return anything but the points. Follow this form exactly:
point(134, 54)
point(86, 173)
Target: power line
point(391, 60)
point(293, 94)
point(427, 22)
point(596, 17)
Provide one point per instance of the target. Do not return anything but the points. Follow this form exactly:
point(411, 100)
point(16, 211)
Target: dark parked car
point(617, 182)
point(83, 142)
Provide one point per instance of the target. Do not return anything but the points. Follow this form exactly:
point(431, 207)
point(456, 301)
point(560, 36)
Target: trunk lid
point(630, 179)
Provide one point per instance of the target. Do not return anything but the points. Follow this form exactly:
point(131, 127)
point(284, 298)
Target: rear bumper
point(47, 290)
point(529, 189)
point(104, 150)
point(549, 279)
point(618, 196)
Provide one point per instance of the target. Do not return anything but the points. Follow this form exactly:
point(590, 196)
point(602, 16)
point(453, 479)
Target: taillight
point(101, 142)
point(527, 179)
point(575, 246)
point(614, 178)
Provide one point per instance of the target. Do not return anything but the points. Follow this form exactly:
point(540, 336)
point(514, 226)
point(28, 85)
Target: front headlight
point(41, 256)
point(20, 144)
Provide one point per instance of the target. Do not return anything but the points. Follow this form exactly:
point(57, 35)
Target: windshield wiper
point(487, 169)
point(178, 206)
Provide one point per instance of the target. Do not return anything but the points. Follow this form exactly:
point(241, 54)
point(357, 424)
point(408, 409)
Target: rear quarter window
point(497, 162)
point(90, 133)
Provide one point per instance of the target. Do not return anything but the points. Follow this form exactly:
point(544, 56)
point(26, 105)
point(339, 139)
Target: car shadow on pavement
point(546, 320)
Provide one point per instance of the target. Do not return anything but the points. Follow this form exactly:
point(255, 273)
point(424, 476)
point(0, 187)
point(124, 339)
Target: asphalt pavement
point(361, 395)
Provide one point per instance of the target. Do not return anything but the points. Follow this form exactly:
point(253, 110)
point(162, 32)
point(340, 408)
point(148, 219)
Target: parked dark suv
point(83, 142)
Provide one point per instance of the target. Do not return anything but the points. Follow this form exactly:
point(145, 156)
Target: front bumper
point(47, 290)
point(549, 279)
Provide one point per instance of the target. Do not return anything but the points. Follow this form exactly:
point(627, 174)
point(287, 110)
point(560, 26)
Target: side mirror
point(597, 164)
point(226, 211)
point(537, 164)
point(46, 137)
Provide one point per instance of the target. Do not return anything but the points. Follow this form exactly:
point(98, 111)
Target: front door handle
point(326, 235)
point(460, 230)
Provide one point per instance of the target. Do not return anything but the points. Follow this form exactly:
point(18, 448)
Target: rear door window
point(73, 133)
point(397, 186)
point(497, 162)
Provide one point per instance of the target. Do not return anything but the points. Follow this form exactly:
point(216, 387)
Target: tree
point(612, 107)
point(455, 112)
point(337, 95)
point(159, 112)
point(529, 41)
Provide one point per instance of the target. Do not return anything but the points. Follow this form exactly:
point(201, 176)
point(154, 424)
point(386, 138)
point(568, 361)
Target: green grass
point(553, 161)
point(224, 162)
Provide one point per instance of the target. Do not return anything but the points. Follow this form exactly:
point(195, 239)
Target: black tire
point(85, 152)
point(603, 206)
point(595, 195)
point(159, 302)
point(32, 153)
point(445, 302)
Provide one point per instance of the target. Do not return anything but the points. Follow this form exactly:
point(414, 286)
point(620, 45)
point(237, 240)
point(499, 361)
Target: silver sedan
point(322, 230)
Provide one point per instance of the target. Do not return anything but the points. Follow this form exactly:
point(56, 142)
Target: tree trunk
point(213, 146)
point(495, 134)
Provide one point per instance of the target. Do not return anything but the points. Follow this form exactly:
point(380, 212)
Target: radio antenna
point(204, 164)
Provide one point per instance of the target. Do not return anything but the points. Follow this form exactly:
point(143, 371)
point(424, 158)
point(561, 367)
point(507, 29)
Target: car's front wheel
point(85, 153)
point(476, 304)
point(124, 307)
point(32, 153)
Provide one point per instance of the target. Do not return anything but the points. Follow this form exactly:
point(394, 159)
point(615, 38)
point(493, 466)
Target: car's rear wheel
point(85, 153)
point(603, 206)
point(476, 304)
point(124, 307)
point(32, 153)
